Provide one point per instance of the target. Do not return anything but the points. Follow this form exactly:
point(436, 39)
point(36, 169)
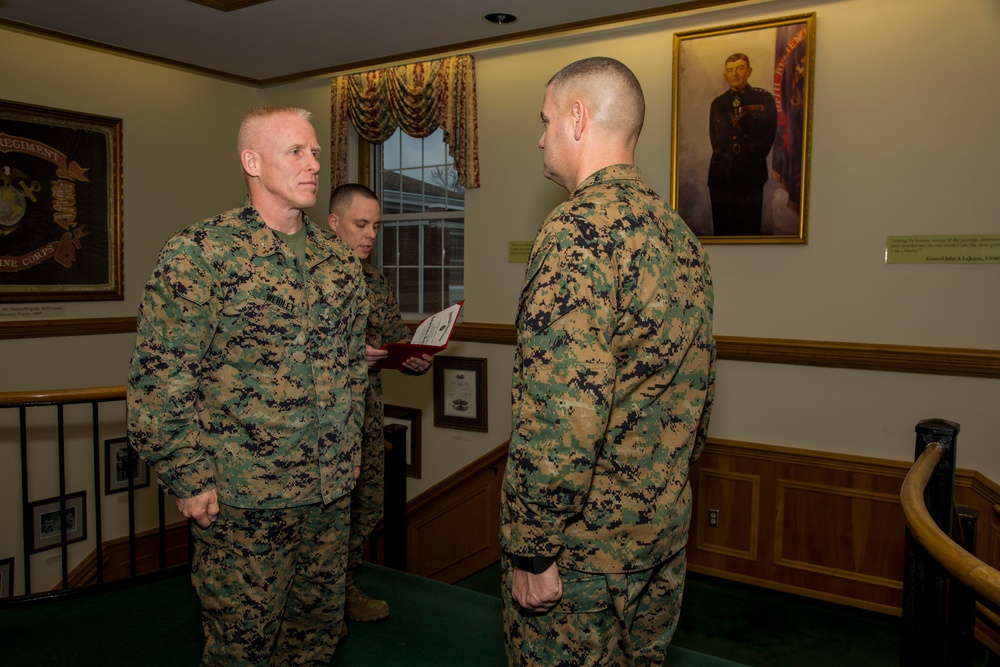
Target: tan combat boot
point(360, 607)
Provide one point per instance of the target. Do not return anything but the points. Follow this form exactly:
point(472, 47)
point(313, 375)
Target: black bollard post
point(394, 518)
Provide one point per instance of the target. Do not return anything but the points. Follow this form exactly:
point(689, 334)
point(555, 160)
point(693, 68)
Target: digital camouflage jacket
point(385, 325)
point(245, 378)
point(614, 373)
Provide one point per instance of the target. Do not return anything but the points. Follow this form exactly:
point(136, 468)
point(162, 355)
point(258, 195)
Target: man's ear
point(580, 118)
point(333, 220)
point(250, 161)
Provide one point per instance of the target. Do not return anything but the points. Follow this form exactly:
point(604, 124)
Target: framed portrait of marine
point(60, 205)
point(740, 133)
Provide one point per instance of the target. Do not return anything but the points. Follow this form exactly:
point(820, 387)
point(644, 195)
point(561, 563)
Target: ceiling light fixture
point(500, 18)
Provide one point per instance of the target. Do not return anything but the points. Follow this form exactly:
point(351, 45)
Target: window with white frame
point(421, 246)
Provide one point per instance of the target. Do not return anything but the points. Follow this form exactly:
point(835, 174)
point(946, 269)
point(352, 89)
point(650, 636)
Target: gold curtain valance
point(419, 98)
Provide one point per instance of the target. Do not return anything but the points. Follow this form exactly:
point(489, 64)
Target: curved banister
point(51, 397)
point(974, 573)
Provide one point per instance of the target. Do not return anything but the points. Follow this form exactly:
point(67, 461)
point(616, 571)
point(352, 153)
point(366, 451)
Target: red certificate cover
point(432, 336)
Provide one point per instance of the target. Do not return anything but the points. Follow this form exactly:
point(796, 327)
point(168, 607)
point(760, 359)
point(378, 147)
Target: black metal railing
point(59, 521)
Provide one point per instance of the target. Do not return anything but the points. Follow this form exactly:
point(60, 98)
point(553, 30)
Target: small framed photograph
point(460, 393)
point(742, 110)
point(120, 463)
point(48, 518)
point(410, 418)
point(7, 578)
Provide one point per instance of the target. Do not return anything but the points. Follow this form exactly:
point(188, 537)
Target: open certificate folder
point(431, 337)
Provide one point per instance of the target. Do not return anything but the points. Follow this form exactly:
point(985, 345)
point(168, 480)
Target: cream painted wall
point(179, 165)
point(903, 142)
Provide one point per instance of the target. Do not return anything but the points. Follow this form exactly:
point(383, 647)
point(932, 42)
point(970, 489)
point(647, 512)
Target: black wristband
point(532, 564)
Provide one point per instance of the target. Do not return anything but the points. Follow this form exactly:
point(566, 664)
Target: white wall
point(904, 141)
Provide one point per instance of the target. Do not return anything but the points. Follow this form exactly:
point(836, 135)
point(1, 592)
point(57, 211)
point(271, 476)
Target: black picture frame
point(46, 524)
point(7, 578)
point(117, 455)
point(460, 393)
point(410, 418)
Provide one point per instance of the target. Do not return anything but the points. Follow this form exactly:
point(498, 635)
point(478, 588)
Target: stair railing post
point(394, 516)
point(925, 582)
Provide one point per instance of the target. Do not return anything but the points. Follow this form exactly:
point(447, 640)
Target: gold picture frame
point(60, 205)
point(740, 160)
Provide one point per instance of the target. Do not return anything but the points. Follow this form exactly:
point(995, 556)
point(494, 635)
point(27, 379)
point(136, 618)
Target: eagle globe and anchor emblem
point(13, 204)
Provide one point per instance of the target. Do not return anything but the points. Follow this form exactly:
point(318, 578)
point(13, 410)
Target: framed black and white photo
point(460, 393)
point(410, 418)
point(120, 463)
point(48, 518)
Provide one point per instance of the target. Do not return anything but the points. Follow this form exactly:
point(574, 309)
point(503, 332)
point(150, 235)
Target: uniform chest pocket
point(256, 332)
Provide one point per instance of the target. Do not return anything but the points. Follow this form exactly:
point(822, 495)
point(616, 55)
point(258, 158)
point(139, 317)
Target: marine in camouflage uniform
point(354, 217)
point(385, 325)
point(247, 384)
point(613, 384)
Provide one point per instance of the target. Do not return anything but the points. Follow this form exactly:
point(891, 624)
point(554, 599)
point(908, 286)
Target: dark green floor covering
point(763, 628)
point(156, 624)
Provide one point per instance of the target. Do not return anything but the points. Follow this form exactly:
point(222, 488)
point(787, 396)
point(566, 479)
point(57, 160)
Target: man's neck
point(284, 220)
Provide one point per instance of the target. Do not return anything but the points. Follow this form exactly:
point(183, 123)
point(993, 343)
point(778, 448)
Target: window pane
point(390, 152)
point(390, 246)
point(455, 285)
point(422, 258)
point(409, 245)
point(434, 290)
point(412, 150)
point(409, 291)
point(392, 199)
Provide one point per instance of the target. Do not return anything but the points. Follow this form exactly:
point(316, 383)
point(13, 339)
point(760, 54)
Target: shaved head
point(610, 91)
point(252, 122)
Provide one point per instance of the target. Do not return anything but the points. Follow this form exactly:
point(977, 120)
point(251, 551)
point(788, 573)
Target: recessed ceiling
point(269, 40)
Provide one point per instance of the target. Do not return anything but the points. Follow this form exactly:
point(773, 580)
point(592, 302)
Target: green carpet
point(156, 624)
point(148, 625)
point(762, 628)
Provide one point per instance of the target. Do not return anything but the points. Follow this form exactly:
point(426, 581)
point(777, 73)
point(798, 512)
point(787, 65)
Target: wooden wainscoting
point(147, 559)
point(454, 527)
point(822, 525)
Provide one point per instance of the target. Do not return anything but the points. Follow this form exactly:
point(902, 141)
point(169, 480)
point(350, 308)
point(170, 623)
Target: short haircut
point(615, 90)
point(738, 56)
point(344, 194)
point(252, 118)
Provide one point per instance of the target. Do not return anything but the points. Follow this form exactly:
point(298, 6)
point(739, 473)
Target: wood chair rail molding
point(954, 361)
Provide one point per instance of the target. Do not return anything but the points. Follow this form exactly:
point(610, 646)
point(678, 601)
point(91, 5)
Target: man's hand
point(418, 364)
point(202, 508)
point(537, 592)
point(374, 355)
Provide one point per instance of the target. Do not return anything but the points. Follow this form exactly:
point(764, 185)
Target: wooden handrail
point(11, 399)
point(974, 573)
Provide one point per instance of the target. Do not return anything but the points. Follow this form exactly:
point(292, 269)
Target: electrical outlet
point(713, 518)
